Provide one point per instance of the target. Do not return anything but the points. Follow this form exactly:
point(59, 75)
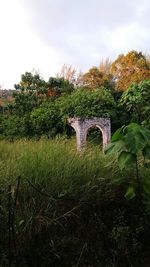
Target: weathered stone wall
point(81, 127)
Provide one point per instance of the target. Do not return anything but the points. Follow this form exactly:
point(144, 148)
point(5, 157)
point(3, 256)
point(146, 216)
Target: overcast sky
point(45, 34)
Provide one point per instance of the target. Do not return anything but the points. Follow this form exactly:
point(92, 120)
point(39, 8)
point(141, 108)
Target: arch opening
point(94, 136)
point(70, 132)
point(82, 126)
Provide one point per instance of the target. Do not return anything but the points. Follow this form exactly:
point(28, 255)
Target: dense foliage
point(131, 146)
point(136, 102)
point(64, 209)
point(40, 107)
point(131, 68)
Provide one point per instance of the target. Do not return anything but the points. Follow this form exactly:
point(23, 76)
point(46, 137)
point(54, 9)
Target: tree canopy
point(95, 78)
point(136, 101)
point(119, 90)
point(86, 103)
point(133, 67)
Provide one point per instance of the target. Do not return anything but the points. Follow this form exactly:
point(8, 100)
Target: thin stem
point(82, 250)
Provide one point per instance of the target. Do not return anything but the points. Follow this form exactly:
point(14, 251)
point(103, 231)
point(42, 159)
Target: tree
point(29, 94)
point(31, 82)
point(136, 102)
point(85, 103)
point(46, 120)
point(58, 86)
point(95, 78)
point(133, 67)
point(105, 66)
point(68, 73)
point(33, 90)
point(12, 127)
point(24, 103)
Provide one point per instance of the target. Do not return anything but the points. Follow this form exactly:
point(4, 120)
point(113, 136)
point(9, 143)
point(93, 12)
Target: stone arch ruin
point(81, 127)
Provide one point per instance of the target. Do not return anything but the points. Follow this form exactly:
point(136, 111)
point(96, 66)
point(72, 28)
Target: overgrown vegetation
point(66, 209)
point(119, 90)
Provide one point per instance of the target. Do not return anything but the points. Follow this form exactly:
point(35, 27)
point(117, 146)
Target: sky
point(45, 34)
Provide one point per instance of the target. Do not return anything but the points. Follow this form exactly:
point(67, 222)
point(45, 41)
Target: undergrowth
point(63, 208)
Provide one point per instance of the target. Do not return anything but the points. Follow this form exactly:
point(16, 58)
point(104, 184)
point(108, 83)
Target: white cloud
point(128, 38)
point(21, 50)
point(45, 34)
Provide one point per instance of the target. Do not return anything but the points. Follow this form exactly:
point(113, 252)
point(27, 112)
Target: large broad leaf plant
point(130, 145)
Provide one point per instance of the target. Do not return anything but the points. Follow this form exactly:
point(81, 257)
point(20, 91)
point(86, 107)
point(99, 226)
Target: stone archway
point(81, 127)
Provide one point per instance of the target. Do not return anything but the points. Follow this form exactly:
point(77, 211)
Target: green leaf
point(109, 148)
point(126, 159)
point(145, 132)
point(117, 135)
point(115, 147)
point(135, 142)
point(130, 192)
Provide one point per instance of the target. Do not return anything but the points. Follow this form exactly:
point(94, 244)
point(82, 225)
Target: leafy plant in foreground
point(136, 103)
point(131, 146)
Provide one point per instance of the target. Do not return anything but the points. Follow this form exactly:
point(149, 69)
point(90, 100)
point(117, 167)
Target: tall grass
point(83, 208)
point(52, 164)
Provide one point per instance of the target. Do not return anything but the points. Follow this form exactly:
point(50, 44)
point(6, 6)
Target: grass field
point(54, 164)
point(67, 208)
